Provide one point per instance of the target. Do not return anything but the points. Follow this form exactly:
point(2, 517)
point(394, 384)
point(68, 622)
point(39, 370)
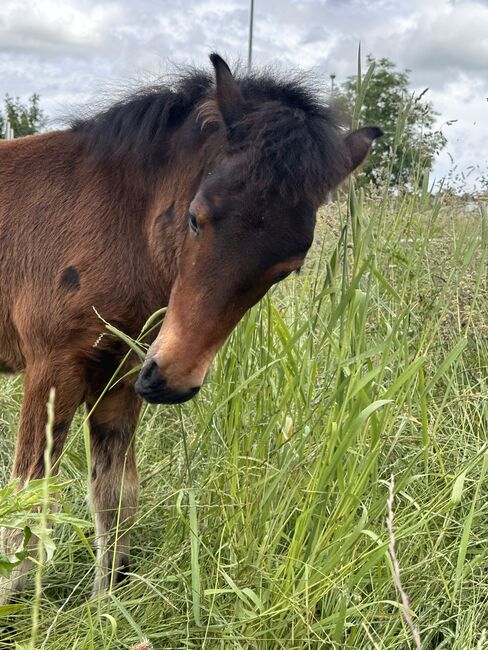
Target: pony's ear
point(358, 144)
point(229, 98)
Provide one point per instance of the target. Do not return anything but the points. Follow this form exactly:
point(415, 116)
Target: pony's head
point(251, 221)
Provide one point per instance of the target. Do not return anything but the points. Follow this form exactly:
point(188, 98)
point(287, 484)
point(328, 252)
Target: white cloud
point(466, 101)
point(51, 28)
point(68, 50)
point(448, 36)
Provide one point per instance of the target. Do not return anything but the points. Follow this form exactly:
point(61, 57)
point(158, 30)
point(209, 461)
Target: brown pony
point(199, 197)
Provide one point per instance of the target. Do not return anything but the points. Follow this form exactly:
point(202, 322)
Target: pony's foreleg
point(115, 482)
point(28, 463)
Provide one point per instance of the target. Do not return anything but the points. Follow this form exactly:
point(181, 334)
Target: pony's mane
point(138, 124)
point(292, 138)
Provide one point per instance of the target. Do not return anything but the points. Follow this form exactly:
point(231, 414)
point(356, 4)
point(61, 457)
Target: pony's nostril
point(150, 372)
point(149, 378)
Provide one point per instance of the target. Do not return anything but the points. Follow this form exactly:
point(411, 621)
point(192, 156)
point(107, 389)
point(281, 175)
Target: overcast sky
point(71, 50)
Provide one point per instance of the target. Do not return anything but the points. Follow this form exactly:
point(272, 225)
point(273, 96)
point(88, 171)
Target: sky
point(71, 51)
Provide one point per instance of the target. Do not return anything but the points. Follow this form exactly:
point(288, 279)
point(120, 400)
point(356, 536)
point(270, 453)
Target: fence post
point(251, 30)
point(9, 132)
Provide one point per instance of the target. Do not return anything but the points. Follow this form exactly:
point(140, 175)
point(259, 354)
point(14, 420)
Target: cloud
point(464, 100)
point(53, 29)
point(450, 37)
point(70, 50)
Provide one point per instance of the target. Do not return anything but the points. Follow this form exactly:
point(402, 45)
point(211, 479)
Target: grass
point(263, 517)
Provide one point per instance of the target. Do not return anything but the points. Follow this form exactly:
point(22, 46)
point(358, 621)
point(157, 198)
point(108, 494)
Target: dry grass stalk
point(396, 566)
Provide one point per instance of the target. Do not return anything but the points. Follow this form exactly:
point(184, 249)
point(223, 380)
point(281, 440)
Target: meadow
point(264, 509)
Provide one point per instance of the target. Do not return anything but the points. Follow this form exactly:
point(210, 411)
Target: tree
point(25, 119)
point(388, 102)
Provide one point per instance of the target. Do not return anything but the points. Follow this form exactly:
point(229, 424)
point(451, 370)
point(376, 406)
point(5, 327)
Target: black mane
point(293, 139)
point(138, 124)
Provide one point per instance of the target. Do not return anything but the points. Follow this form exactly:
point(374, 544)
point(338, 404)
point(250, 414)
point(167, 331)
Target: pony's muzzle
point(153, 387)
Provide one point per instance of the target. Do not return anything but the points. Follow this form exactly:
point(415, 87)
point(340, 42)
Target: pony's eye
point(193, 223)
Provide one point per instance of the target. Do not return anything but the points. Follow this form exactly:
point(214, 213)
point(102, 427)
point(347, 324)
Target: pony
point(197, 196)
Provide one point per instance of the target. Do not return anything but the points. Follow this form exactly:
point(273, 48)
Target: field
point(264, 502)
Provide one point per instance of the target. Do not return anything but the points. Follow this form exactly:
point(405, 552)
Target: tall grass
point(264, 505)
point(264, 501)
